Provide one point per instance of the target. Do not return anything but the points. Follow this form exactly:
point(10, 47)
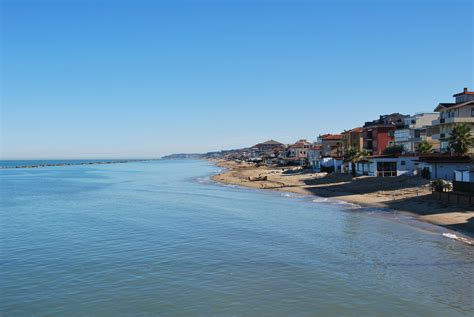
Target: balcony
point(453, 120)
point(440, 136)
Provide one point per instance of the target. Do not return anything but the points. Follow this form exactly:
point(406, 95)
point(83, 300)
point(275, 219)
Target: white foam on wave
point(291, 195)
point(336, 202)
point(202, 180)
point(458, 238)
point(450, 235)
point(347, 204)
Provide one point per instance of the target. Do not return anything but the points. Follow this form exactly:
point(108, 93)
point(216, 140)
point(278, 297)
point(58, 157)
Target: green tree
point(424, 147)
point(460, 139)
point(354, 156)
point(394, 149)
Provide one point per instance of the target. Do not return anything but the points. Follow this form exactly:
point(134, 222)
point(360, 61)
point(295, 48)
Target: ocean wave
point(333, 201)
point(203, 180)
point(320, 200)
point(289, 195)
point(458, 238)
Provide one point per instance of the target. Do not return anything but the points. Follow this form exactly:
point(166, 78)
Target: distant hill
point(183, 156)
point(236, 153)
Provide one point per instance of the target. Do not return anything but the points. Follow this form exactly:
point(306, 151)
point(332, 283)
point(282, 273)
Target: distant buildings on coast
point(391, 145)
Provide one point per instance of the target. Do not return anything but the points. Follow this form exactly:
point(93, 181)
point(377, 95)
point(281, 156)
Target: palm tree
point(460, 139)
point(354, 156)
point(424, 147)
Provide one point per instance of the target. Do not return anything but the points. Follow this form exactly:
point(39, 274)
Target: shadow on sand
point(404, 193)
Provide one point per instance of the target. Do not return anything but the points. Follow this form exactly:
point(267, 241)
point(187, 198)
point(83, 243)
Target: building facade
point(417, 128)
point(352, 139)
point(331, 145)
point(450, 114)
point(380, 133)
point(314, 157)
point(269, 148)
point(299, 151)
point(444, 167)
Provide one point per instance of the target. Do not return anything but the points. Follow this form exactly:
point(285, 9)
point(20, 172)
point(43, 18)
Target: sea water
point(160, 238)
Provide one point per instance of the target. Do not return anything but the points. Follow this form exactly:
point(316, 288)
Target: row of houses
point(403, 133)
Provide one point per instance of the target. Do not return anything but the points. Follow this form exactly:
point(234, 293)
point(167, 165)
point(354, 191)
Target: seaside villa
point(450, 114)
point(417, 128)
point(438, 165)
point(315, 157)
point(380, 133)
point(298, 152)
point(267, 149)
point(388, 166)
point(331, 145)
point(352, 139)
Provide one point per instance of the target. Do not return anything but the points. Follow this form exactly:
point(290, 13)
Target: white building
point(461, 111)
point(417, 128)
point(445, 167)
point(315, 157)
point(388, 166)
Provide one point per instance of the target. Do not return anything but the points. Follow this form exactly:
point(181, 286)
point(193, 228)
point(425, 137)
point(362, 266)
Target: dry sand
point(407, 194)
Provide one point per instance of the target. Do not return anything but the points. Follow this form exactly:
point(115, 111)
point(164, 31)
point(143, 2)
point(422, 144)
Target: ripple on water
point(161, 240)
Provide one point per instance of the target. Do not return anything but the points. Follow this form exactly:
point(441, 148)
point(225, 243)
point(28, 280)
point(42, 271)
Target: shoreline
point(409, 195)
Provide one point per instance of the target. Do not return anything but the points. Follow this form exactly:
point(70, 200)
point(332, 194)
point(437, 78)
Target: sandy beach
point(407, 194)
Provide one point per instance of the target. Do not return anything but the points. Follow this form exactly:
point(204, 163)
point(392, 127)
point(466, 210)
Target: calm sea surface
point(158, 238)
point(29, 163)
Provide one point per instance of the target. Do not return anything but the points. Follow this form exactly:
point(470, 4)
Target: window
point(390, 133)
point(472, 112)
point(403, 163)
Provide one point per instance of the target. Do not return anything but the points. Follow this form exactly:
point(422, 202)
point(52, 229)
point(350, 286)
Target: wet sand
point(408, 194)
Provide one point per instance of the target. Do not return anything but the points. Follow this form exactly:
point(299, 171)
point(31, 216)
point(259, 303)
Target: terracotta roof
point(355, 130)
point(332, 137)
point(465, 92)
point(300, 143)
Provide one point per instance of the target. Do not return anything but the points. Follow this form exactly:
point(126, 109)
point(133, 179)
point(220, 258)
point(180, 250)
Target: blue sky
point(103, 79)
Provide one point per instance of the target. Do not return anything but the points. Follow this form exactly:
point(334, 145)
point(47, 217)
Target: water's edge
point(399, 216)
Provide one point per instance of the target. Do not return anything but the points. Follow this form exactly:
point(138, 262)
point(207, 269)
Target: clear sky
point(104, 79)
